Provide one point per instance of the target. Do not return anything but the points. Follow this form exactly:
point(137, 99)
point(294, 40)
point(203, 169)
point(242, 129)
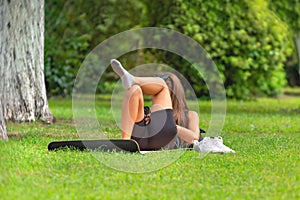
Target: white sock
point(195, 142)
point(126, 77)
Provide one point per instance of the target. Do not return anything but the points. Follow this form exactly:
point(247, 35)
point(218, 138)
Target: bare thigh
point(133, 104)
point(158, 89)
point(162, 100)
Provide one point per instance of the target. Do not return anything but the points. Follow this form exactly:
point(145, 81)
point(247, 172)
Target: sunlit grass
point(264, 133)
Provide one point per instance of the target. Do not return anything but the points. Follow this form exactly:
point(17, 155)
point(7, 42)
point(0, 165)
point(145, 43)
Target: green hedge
point(248, 43)
point(289, 12)
point(73, 28)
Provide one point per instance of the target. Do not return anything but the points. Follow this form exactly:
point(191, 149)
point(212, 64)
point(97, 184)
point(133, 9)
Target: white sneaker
point(207, 145)
point(218, 141)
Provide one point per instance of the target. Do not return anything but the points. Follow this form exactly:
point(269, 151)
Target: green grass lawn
point(264, 133)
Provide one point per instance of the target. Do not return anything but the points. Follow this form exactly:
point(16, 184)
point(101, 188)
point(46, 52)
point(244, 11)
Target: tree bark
point(22, 84)
point(3, 134)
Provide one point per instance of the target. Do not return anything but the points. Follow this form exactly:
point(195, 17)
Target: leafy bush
point(73, 28)
point(289, 12)
point(248, 43)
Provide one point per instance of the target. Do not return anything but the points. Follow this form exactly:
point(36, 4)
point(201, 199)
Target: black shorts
point(160, 133)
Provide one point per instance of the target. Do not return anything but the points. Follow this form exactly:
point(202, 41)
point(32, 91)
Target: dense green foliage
point(248, 43)
point(73, 28)
point(265, 134)
point(289, 12)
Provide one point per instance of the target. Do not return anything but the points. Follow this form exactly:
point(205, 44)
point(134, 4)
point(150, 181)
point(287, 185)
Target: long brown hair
point(178, 98)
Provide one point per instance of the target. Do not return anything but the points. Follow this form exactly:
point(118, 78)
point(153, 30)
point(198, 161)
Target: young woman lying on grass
point(170, 124)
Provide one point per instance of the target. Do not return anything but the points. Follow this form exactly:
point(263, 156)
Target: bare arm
point(192, 132)
point(194, 123)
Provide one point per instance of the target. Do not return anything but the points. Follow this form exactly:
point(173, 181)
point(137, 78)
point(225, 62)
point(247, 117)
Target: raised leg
point(159, 90)
point(133, 102)
point(132, 110)
point(133, 105)
point(127, 78)
point(150, 85)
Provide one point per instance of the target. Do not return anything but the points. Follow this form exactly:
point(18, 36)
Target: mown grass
point(264, 133)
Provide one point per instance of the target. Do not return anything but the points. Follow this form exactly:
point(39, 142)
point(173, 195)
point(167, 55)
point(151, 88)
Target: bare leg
point(150, 85)
point(133, 103)
point(159, 90)
point(132, 110)
point(162, 100)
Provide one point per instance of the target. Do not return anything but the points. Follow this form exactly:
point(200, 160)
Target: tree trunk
point(22, 84)
point(3, 134)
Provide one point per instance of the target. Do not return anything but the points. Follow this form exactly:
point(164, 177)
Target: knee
point(134, 92)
